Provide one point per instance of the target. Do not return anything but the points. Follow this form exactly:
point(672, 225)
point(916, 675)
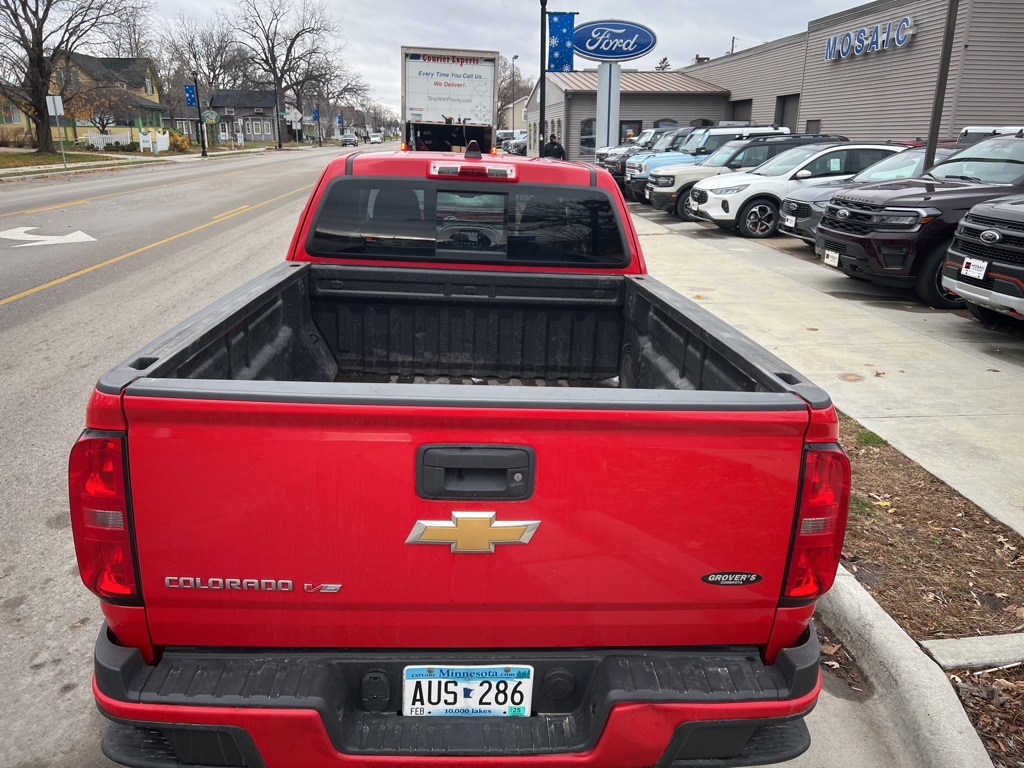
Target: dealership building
point(868, 73)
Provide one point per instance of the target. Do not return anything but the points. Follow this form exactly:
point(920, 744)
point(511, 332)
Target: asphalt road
point(166, 241)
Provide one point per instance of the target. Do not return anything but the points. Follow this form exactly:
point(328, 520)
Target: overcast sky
point(375, 32)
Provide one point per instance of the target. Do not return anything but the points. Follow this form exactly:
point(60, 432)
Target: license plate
point(789, 221)
point(974, 268)
point(467, 691)
point(832, 258)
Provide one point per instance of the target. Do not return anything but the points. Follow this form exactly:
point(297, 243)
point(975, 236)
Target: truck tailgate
point(249, 514)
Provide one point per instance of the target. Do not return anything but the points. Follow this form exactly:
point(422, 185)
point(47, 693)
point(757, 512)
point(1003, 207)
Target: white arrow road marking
point(21, 233)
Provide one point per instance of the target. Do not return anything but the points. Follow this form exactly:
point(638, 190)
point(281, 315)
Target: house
point(513, 115)
point(14, 124)
point(113, 95)
point(249, 113)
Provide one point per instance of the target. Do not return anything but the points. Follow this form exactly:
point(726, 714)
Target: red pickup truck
point(457, 484)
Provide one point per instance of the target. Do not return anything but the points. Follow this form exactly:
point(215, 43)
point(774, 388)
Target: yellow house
point(108, 95)
point(15, 127)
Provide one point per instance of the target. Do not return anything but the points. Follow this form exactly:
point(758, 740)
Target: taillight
point(99, 515)
point(821, 524)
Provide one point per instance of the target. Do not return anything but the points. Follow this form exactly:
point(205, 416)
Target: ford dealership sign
point(612, 40)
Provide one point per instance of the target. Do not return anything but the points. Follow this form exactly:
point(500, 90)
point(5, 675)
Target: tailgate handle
point(484, 472)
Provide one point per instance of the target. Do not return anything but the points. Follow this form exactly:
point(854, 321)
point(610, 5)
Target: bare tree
point(30, 34)
point(284, 40)
point(209, 48)
point(663, 65)
point(510, 89)
point(131, 37)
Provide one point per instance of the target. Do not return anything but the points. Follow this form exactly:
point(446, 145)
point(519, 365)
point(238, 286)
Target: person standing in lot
point(553, 149)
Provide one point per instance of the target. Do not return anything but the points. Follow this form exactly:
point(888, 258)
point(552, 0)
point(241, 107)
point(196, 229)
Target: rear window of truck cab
point(365, 217)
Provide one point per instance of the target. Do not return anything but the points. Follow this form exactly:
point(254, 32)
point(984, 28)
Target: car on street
point(376, 138)
point(349, 140)
point(668, 187)
point(898, 233)
point(749, 202)
point(803, 209)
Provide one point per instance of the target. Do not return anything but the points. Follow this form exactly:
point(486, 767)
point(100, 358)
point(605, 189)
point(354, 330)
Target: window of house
point(257, 127)
point(229, 110)
point(266, 127)
point(10, 115)
point(149, 84)
point(258, 110)
point(223, 131)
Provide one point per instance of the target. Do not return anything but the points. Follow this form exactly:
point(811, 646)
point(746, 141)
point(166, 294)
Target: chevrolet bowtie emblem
point(472, 532)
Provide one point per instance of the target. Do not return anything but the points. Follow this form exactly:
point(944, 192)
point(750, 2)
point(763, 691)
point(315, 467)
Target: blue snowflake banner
point(560, 31)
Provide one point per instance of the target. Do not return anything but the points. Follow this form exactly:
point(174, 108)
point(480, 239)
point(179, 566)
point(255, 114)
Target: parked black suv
point(897, 233)
point(985, 264)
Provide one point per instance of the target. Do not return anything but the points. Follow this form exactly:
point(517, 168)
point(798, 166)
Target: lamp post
point(514, 57)
point(199, 111)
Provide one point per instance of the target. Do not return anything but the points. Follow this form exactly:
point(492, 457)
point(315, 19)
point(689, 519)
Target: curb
point(910, 686)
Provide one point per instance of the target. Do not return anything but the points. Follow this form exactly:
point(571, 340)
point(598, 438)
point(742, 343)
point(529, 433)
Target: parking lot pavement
point(940, 387)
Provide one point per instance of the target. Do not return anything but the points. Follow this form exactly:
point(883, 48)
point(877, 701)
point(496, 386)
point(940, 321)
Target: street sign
point(341, 120)
point(190, 96)
point(54, 105)
point(210, 116)
point(316, 115)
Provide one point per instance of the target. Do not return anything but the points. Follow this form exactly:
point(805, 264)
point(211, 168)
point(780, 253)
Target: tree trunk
point(37, 87)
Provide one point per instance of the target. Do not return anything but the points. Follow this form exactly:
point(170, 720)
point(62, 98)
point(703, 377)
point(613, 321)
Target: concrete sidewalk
point(943, 390)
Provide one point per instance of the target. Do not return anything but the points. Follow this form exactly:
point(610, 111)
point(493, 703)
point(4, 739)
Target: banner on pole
point(560, 31)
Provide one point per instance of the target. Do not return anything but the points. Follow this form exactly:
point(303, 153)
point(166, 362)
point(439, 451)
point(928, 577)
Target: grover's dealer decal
point(731, 578)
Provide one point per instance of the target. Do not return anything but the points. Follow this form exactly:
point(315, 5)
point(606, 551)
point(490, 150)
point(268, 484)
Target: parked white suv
point(750, 202)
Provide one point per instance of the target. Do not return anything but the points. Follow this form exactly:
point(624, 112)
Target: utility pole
point(543, 70)
point(199, 111)
point(514, 57)
point(940, 84)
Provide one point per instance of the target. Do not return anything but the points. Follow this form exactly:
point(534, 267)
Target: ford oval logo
point(843, 213)
point(612, 40)
point(990, 236)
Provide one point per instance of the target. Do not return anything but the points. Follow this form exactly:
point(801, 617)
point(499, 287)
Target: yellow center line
point(231, 212)
point(144, 248)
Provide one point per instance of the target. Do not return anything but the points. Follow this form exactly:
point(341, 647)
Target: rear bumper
point(712, 707)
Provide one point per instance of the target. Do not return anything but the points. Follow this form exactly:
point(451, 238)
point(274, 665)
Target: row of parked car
point(870, 210)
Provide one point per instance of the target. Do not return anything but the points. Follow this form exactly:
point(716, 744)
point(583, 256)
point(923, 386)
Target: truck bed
point(363, 326)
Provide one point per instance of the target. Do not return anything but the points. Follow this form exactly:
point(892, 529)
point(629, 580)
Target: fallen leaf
point(879, 373)
point(697, 296)
point(812, 329)
point(830, 649)
point(882, 503)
